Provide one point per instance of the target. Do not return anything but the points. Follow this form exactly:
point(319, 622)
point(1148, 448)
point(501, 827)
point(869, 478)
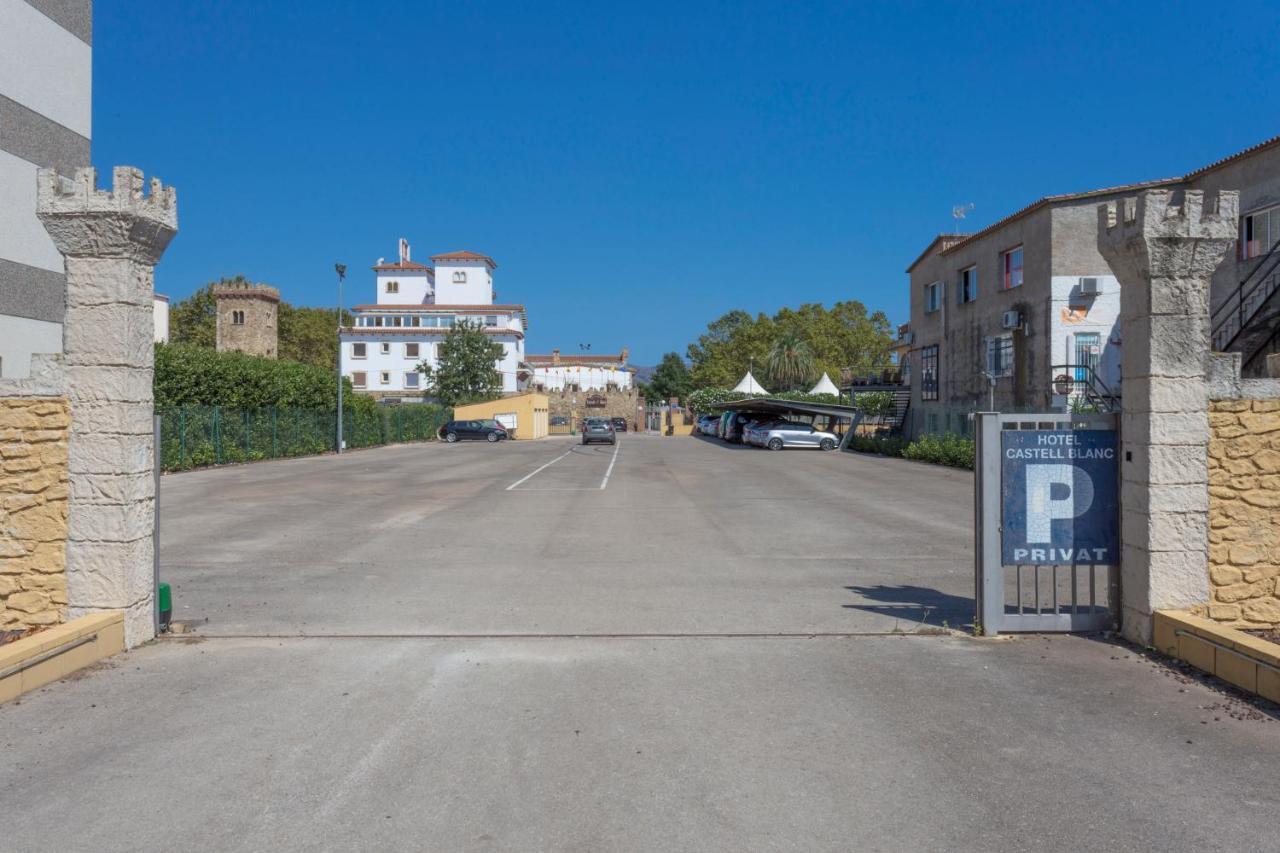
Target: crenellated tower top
point(123, 222)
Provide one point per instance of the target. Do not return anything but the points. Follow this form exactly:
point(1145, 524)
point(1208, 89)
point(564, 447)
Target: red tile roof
point(464, 255)
point(1253, 149)
point(407, 266)
point(945, 239)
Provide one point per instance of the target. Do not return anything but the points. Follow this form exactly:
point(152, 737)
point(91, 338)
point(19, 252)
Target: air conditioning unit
point(1011, 320)
point(1089, 286)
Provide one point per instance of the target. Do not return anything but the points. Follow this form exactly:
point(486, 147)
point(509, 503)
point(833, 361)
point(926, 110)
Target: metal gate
point(1046, 504)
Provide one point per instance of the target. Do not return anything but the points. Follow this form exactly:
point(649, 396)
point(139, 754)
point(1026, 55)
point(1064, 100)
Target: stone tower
point(248, 316)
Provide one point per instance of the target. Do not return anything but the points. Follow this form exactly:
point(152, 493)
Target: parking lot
point(667, 644)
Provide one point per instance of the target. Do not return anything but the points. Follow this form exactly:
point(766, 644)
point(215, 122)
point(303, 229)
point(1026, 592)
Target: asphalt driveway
point(544, 647)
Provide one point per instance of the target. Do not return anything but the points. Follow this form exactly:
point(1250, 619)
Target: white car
point(777, 436)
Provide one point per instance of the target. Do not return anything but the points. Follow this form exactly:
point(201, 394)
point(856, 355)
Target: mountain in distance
point(644, 374)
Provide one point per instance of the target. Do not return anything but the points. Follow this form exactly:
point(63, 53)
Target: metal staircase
point(1248, 320)
point(1080, 382)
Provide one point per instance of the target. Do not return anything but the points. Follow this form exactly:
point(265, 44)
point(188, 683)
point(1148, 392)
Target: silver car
point(779, 435)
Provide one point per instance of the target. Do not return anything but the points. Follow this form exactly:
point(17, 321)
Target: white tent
point(825, 386)
point(749, 385)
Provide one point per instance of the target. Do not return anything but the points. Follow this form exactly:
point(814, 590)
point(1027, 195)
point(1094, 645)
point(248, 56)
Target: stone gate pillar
point(111, 241)
point(1164, 256)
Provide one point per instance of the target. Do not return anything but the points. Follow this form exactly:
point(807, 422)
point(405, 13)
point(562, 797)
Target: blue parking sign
point(1060, 498)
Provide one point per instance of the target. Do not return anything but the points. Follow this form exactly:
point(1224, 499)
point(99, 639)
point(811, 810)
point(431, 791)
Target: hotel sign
point(1060, 502)
point(597, 401)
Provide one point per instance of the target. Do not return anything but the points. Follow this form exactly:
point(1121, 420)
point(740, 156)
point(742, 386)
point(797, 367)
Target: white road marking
point(605, 481)
point(543, 468)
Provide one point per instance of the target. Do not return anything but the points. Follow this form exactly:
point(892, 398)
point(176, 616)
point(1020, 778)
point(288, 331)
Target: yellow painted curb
point(59, 651)
point(1247, 662)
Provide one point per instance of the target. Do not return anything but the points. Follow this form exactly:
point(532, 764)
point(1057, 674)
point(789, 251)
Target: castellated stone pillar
point(1164, 255)
point(111, 241)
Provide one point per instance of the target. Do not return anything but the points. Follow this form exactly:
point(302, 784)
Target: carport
point(835, 414)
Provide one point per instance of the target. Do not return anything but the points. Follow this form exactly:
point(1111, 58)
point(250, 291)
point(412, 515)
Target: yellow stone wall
point(1244, 513)
point(33, 511)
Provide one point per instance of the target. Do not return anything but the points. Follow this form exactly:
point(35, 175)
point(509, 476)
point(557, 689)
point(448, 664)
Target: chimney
point(555, 357)
point(623, 358)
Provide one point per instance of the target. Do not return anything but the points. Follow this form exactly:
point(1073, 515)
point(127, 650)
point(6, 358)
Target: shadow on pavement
point(915, 604)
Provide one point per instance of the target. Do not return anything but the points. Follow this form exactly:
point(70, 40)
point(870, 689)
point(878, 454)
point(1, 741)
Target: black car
point(598, 429)
point(485, 430)
point(620, 424)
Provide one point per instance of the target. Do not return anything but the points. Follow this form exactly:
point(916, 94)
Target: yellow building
point(524, 415)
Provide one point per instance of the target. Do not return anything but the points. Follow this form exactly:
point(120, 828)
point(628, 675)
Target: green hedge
point(196, 436)
point(699, 401)
point(189, 375)
point(955, 451)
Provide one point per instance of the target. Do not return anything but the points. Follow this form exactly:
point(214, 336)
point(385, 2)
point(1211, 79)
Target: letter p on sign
point(1071, 499)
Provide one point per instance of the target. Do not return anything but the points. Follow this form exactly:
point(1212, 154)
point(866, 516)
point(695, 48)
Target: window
point(393, 287)
point(359, 378)
point(397, 321)
point(929, 373)
point(491, 320)
point(417, 321)
point(1088, 354)
point(410, 350)
point(385, 377)
point(377, 321)
point(460, 277)
point(359, 350)
point(411, 379)
point(1000, 356)
point(1260, 232)
point(968, 284)
point(237, 318)
point(1012, 263)
point(384, 348)
point(932, 297)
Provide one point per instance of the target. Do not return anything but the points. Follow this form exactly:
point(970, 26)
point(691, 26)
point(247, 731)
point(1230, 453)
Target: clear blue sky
point(637, 171)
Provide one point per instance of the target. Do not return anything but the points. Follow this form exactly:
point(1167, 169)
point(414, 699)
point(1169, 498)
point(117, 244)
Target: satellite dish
point(380, 261)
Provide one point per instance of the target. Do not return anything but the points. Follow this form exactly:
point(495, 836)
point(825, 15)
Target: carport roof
point(775, 406)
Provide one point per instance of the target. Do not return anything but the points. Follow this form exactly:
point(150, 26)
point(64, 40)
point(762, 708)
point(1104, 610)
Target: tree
point(842, 337)
point(464, 370)
point(790, 363)
point(670, 379)
point(307, 335)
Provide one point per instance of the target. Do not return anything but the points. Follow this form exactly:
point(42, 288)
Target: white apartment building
point(558, 372)
point(416, 307)
point(46, 88)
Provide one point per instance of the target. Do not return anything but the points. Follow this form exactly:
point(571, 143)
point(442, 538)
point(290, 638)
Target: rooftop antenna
point(960, 211)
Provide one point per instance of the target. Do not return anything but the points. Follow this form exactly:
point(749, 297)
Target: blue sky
point(637, 170)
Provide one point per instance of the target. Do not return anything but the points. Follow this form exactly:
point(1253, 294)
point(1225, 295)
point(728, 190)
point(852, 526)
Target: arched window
point(237, 318)
point(393, 287)
point(460, 277)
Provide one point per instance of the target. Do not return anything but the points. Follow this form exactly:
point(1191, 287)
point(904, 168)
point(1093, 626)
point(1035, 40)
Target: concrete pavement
point(845, 741)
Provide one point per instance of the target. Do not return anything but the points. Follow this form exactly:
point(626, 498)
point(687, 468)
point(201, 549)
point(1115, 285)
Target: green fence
point(195, 436)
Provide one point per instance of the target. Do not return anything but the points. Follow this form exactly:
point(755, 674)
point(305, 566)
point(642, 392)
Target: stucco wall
point(1244, 512)
point(33, 511)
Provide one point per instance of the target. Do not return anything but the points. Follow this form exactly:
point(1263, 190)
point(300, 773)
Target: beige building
point(248, 318)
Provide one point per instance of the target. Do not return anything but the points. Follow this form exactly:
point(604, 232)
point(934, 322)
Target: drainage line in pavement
point(710, 636)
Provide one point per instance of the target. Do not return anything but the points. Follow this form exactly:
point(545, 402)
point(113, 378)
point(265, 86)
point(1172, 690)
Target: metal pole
point(341, 269)
point(155, 531)
point(989, 570)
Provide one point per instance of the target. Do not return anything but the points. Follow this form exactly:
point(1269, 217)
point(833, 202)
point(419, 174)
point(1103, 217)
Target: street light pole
point(341, 270)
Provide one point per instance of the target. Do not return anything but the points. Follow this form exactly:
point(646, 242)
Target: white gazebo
point(825, 386)
point(749, 385)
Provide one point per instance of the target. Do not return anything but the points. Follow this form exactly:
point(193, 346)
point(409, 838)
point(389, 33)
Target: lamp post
point(341, 270)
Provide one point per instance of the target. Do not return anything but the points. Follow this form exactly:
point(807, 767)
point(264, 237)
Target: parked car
point(620, 424)
point(598, 429)
point(707, 424)
point(733, 427)
point(482, 430)
point(722, 424)
point(753, 433)
point(778, 436)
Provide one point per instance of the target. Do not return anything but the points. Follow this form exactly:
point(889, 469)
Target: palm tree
point(790, 364)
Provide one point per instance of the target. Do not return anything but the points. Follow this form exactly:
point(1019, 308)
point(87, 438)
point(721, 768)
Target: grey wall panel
point(29, 135)
point(31, 292)
point(74, 16)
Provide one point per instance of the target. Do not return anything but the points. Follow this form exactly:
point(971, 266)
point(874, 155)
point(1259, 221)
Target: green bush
point(189, 375)
point(700, 401)
point(875, 403)
point(888, 445)
point(955, 451)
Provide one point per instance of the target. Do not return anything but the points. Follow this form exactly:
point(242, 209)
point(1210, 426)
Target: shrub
point(955, 451)
point(875, 404)
point(189, 375)
point(888, 445)
point(701, 400)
